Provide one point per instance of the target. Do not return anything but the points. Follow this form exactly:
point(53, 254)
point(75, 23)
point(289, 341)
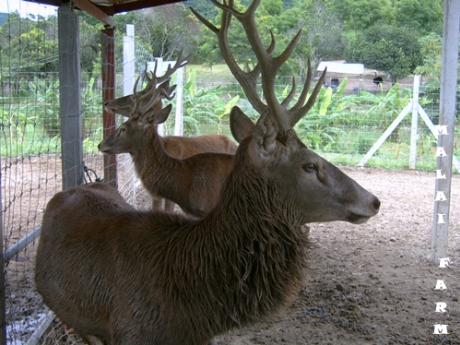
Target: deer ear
point(263, 142)
point(157, 117)
point(241, 125)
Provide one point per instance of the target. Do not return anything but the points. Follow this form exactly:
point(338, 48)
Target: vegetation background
point(397, 38)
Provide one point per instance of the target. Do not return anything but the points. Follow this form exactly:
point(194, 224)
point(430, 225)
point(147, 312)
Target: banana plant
point(208, 106)
point(319, 127)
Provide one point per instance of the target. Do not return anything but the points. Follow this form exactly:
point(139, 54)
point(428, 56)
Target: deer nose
point(105, 103)
point(375, 204)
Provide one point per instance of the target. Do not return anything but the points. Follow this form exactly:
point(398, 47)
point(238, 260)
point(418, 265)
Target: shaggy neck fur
point(248, 256)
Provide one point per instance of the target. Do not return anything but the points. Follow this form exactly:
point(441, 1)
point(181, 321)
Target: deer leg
point(169, 206)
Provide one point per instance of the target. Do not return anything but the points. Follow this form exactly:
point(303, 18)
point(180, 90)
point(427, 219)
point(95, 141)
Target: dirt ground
point(372, 283)
point(369, 283)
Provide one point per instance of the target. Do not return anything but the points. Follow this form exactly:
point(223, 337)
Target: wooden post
point(70, 97)
point(108, 93)
point(446, 130)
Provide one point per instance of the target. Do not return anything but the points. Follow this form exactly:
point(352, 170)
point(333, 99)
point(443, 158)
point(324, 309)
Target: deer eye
point(122, 130)
point(310, 167)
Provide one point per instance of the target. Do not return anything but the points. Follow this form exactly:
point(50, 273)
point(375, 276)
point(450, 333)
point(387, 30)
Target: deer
point(175, 146)
point(141, 277)
point(194, 183)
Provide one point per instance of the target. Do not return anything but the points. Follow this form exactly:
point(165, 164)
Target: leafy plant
point(204, 106)
point(318, 128)
point(46, 93)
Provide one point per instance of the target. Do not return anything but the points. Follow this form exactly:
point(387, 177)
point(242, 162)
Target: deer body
point(194, 183)
point(142, 277)
point(184, 147)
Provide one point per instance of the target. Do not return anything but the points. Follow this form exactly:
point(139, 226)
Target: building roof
point(341, 67)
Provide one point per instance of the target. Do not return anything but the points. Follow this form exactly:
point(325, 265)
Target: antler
point(144, 103)
point(267, 66)
point(157, 88)
point(154, 80)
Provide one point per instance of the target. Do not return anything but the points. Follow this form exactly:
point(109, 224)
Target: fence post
point(2, 273)
point(108, 93)
point(70, 97)
point(179, 119)
point(414, 123)
point(446, 136)
point(129, 67)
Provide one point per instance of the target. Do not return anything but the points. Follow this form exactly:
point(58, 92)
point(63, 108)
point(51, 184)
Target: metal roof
point(104, 9)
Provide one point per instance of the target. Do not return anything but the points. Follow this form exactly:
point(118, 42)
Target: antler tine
point(142, 108)
point(134, 114)
point(247, 80)
point(300, 109)
point(291, 94)
point(180, 62)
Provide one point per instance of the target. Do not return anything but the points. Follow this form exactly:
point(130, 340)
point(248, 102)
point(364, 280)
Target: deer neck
point(152, 163)
point(264, 251)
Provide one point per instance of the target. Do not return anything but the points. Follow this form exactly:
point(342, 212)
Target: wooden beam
point(108, 93)
point(95, 11)
point(117, 7)
point(135, 5)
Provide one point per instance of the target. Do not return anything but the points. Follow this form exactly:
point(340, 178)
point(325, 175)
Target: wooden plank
point(95, 11)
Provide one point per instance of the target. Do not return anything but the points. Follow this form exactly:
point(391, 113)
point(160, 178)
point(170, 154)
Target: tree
point(363, 14)
point(166, 30)
point(391, 49)
point(31, 44)
point(424, 16)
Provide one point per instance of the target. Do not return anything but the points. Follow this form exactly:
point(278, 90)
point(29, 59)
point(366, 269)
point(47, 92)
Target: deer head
point(141, 117)
point(145, 109)
point(315, 188)
point(124, 105)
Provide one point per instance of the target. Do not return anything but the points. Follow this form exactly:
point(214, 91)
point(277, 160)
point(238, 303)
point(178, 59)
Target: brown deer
point(194, 183)
point(178, 147)
point(144, 277)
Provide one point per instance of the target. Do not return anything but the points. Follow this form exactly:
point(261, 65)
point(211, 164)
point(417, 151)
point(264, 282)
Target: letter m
point(441, 130)
point(440, 329)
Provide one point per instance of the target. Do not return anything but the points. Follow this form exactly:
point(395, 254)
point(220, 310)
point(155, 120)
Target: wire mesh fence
point(343, 125)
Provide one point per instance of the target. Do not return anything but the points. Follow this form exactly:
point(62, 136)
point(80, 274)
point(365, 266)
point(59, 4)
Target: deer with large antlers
point(123, 140)
point(143, 277)
point(194, 183)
